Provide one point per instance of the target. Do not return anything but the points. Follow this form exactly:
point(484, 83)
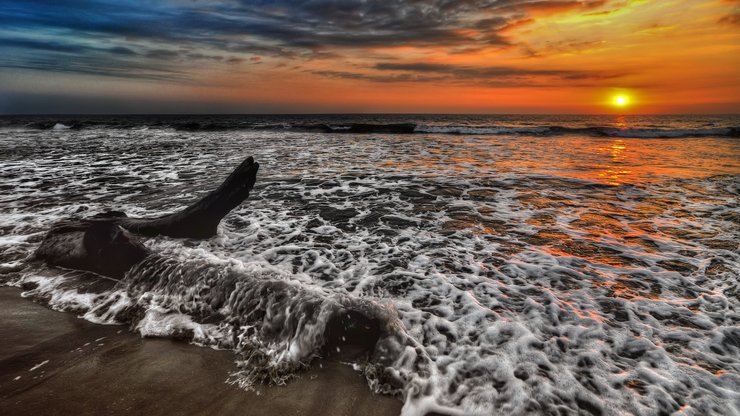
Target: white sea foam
point(477, 130)
point(39, 365)
point(530, 274)
point(588, 131)
point(160, 322)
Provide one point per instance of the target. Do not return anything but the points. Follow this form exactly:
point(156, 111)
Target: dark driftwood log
point(96, 246)
point(200, 219)
point(103, 244)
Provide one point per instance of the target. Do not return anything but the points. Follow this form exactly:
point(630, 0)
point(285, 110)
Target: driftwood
point(97, 246)
point(107, 244)
point(200, 219)
point(104, 244)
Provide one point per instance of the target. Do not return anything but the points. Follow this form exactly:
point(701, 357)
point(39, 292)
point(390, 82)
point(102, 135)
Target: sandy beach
point(53, 363)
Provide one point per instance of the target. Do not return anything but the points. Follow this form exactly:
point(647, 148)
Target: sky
point(378, 56)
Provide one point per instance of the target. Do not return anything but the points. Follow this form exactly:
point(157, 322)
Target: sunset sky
point(441, 56)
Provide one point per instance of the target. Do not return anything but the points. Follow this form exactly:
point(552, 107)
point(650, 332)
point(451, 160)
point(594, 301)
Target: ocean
point(518, 264)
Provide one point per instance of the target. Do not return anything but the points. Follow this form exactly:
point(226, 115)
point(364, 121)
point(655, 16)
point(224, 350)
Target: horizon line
point(359, 114)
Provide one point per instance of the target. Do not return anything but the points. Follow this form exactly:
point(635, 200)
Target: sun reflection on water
point(615, 174)
point(613, 161)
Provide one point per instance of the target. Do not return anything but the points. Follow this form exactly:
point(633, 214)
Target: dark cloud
point(731, 19)
point(197, 56)
point(551, 6)
point(31, 44)
point(379, 77)
point(12, 102)
point(56, 66)
point(488, 73)
point(490, 76)
point(162, 54)
point(122, 50)
point(111, 66)
point(303, 29)
point(60, 47)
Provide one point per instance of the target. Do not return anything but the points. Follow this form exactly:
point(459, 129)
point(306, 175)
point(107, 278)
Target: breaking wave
point(276, 325)
point(400, 125)
point(587, 131)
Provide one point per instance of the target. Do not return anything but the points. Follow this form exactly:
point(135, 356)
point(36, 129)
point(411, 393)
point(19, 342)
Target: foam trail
point(255, 314)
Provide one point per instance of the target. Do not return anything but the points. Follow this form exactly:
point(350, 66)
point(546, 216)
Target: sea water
point(525, 264)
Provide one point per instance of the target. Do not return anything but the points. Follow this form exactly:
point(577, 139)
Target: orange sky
point(518, 57)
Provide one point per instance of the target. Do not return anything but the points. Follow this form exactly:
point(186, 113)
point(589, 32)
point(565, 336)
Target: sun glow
point(621, 100)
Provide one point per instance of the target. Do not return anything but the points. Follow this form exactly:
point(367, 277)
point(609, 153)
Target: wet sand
point(53, 363)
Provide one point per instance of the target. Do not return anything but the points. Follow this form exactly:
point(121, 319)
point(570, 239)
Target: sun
point(621, 100)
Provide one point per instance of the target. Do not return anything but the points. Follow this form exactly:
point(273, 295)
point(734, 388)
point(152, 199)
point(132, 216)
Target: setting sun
point(621, 100)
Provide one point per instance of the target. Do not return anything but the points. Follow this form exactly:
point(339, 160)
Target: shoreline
point(55, 363)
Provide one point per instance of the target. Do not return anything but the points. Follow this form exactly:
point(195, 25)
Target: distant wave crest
point(399, 128)
point(589, 131)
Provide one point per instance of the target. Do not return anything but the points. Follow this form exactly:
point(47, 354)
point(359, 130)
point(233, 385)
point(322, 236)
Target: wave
point(589, 131)
point(395, 128)
point(366, 128)
point(411, 128)
point(60, 126)
point(277, 326)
